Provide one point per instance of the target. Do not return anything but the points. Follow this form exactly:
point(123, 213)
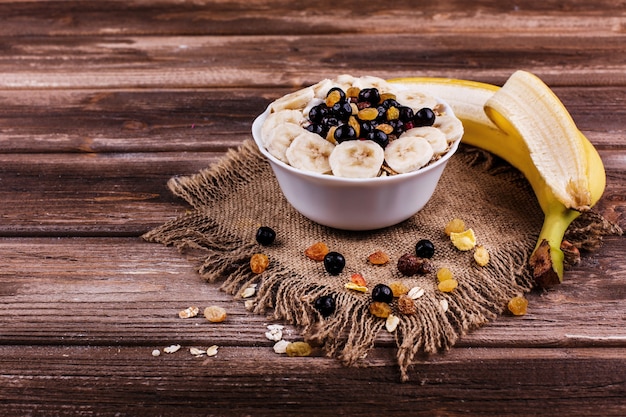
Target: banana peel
point(494, 133)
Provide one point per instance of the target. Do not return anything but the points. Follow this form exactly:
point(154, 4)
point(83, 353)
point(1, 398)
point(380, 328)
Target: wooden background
point(101, 102)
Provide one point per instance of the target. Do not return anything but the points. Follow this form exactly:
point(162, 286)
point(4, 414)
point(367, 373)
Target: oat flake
point(171, 349)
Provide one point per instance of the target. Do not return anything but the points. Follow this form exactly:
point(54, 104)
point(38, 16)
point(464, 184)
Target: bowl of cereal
point(358, 153)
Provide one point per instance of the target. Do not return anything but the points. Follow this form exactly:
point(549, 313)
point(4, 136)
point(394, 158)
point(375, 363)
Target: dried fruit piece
point(215, 314)
point(334, 262)
point(392, 323)
point(409, 265)
point(378, 258)
point(358, 279)
point(518, 305)
point(398, 288)
point(463, 241)
point(298, 349)
point(317, 251)
point(355, 287)
point(448, 285)
point(415, 293)
point(444, 274)
point(325, 304)
point(265, 235)
point(454, 226)
point(406, 305)
point(481, 255)
point(189, 312)
point(380, 309)
point(259, 263)
point(425, 249)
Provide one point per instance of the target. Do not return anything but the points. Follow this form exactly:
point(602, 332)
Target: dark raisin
point(424, 117)
point(325, 304)
point(409, 265)
point(265, 235)
point(424, 249)
point(382, 293)
point(334, 263)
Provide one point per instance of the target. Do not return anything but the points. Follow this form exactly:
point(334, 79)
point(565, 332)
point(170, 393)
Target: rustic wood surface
point(102, 102)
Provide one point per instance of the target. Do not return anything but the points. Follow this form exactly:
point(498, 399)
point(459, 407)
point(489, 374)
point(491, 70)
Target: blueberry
point(382, 293)
point(424, 249)
point(405, 113)
point(342, 110)
point(390, 103)
point(344, 133)
point(370, 95)
point(379, 137)
point(316, 128)
point(424, 117)
point(317, 113)
point(325, 304)
point(265, 235)
point(366, 127)
point(334, 263)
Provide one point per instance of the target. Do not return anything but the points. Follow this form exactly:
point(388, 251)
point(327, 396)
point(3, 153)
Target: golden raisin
point(317, 251)
point(330, 136)
point(463, 241)
point(368, 113)
point(384, 127)
point(398, 289)
point(298, 349)
point(332, 98)
point(454, 225)
point(215, 314)
point(355, 125)
point(444, 274)
point(406, 305)
point(353, 92)
point(259, 263)
point(393, 113)
point(518, 305)
point(448, 285)
point(358, 279)
point(378, 258)
point(380, 309)
point(481, 255)
point(387, 96)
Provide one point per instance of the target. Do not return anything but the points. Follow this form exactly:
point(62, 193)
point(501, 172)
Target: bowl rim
point(256, 135)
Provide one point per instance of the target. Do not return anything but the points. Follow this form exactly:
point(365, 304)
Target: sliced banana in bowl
point(351, 172)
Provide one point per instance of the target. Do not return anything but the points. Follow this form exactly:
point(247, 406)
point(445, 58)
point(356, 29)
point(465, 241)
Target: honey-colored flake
point(463, 241)
point(454, 226)
point(358, 279)
point(378, 258)
point(355, 287)
point(317, 251)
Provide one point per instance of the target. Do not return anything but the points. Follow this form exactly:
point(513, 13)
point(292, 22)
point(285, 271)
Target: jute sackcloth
point(232, 198)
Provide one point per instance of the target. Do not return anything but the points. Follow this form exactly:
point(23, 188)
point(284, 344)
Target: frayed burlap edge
point(351, 332)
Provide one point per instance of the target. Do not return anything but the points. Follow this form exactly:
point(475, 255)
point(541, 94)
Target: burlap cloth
point(234, 197)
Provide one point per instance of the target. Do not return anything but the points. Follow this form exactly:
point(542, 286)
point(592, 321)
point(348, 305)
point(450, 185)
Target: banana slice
point(357, 159)
point(321, 88)
point(408, 153)
point(435, 137)
point(415, 99)
point(310, 152)
point(450, 126)
point(296, 100)
point(279, 130)
point(368, 81)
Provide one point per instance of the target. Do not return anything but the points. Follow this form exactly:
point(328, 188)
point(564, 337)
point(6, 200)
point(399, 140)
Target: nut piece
point(406, 305)
point(392, 323)
point(215, 314)
point(196, 352)
point(378, 258)
point(317, 251)
point(274, 332)
point(259, 263)
point(189, 312)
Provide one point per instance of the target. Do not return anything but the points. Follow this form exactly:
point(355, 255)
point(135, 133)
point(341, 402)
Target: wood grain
point(102, 102)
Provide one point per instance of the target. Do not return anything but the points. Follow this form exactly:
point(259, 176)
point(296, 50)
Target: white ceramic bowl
point(355, 203)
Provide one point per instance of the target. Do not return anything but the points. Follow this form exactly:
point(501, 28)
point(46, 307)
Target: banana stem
point(547, 259)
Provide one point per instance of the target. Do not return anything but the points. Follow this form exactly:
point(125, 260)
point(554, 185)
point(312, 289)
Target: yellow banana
point(468, 100)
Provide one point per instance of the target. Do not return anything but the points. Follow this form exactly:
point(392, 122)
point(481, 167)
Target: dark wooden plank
point(101, 291)
point(233, 61)
point(209, 120)
point(88, 18)
point(125, 381)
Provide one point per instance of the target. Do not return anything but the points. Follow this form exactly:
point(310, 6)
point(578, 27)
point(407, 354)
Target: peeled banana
point(505, 121)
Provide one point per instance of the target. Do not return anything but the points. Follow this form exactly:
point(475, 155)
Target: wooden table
point(102, 102)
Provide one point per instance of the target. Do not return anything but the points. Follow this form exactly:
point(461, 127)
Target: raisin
point(378, 258)
point(298, 349)
point(406, 305)
point(409, 265)
point(215, 314)
point(358, 279)
point(398, 289)
point(380, 309)
point(444, 274)
point(317, 251)
point(454, 225)
point(448, 285)
point(481, 256)
point(259, 263)
point(518, 305)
